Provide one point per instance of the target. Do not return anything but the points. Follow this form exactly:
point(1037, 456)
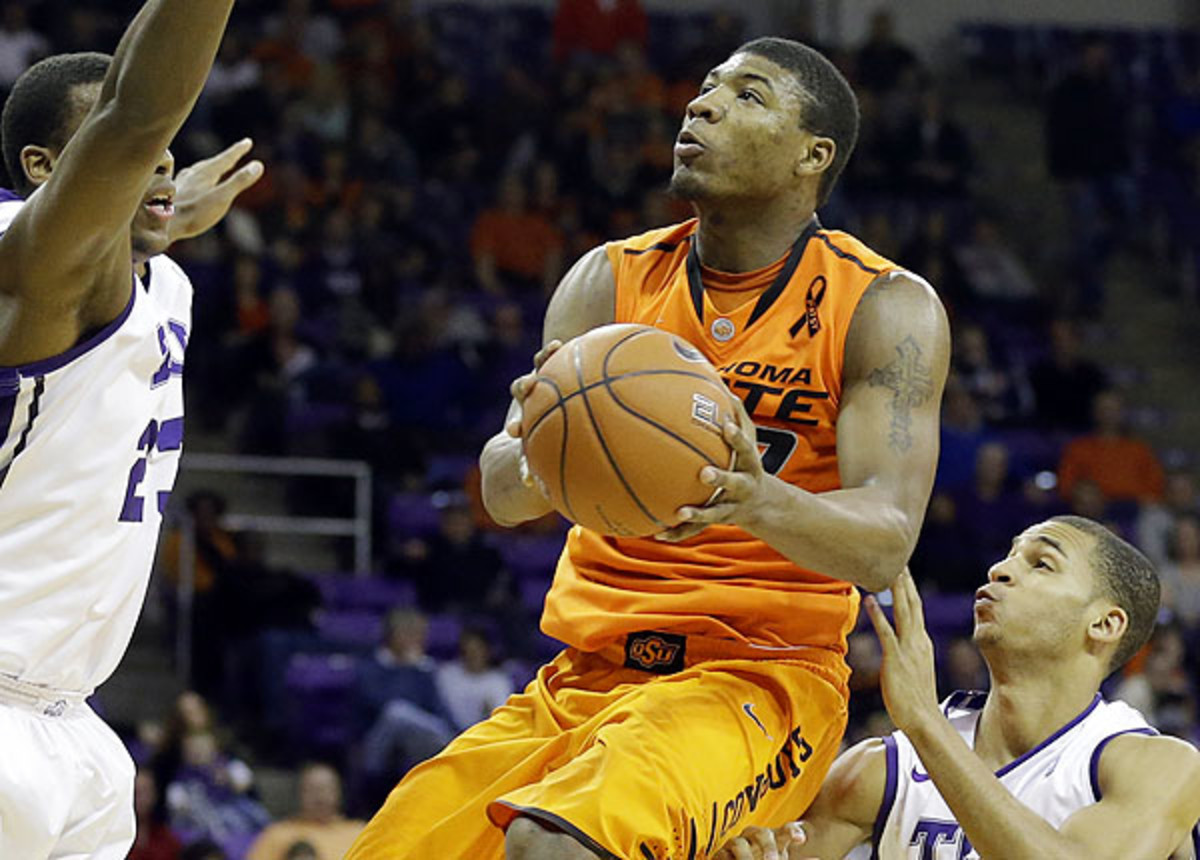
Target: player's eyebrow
point(715, 74)
point(1053, 543)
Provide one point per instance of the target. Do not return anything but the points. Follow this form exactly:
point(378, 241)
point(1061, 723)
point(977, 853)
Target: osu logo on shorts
point(661, 653)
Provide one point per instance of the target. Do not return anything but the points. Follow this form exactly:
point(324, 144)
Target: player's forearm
point(162, 62)
point(858, 535)
point(508, 500)
point(998, 826)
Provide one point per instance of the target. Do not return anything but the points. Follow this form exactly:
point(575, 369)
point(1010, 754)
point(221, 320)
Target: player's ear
point(1109, 625)
point(816, 156)
point(38, 163)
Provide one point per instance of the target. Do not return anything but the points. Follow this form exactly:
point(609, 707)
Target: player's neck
point(1026, 707)
point(733, 239)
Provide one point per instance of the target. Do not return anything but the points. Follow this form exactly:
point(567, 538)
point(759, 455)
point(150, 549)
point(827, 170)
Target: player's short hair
point(1128, 578)
point(831, 109)
point(40, 107)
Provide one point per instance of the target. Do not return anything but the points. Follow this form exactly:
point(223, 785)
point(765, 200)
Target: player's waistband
point(46, 701)
point(663, 653)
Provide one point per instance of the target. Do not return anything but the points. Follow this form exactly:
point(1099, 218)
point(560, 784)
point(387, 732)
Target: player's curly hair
point(1128, 578)
point(40, 107)
point(832, 109)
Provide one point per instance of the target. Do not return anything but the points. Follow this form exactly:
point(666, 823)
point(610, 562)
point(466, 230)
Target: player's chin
point(150, 241)
point(687, 184)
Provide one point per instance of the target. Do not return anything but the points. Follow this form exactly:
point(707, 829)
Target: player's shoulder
point(658, 240)
point(852, 252)
point(1134, 760)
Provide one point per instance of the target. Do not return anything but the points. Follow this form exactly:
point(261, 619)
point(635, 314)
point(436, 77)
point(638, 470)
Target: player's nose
point(705, 106)
point(1000, 571)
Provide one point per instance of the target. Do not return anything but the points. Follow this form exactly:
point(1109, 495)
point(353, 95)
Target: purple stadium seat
point(345, 591)
point(352, 628)
point(529, 556)
point(444, 630)
point(412, 514)
point(532, 591)
point(319, 693)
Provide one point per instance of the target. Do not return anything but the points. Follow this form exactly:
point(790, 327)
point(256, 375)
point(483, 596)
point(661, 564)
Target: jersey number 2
point(167, 436)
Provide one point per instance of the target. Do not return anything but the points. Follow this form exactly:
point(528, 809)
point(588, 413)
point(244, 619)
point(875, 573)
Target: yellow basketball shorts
point(634, 765)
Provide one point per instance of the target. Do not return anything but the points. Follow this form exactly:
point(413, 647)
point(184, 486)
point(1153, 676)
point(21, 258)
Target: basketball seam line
point(600, 436)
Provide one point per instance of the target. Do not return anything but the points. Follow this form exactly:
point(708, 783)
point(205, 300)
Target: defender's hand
point(205, 191)
point(760, 843)
point(520, 388)
point(737, 491)
point(907, 677)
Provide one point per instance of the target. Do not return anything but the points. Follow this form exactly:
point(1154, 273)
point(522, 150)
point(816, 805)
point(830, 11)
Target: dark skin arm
point(897, 356)
point(584, 300)
point(65, 262)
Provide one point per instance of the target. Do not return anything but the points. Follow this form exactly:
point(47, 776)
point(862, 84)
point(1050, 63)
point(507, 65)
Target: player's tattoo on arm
point(910, 380)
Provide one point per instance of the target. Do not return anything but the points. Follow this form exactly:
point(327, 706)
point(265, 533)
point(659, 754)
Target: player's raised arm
point(70, 244)
point(896, 360)
point(583, 300)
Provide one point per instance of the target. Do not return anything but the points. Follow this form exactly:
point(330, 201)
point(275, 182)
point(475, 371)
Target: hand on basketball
point(736, 490)
point(907, 677)
point(520, 388)
point(760, 843)
point(205, 191)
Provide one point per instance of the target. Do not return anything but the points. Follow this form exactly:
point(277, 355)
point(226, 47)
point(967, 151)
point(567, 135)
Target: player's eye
point(751, 96)
point(1042, 563)
point(706, 88)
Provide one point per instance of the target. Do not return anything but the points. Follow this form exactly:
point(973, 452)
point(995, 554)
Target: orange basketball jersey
point(781, 351)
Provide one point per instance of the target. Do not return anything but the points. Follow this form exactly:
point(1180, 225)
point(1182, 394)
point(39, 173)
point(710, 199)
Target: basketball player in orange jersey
point(703, 688)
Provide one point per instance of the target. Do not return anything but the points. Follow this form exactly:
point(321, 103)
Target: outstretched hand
point(761, 843)
point(205, 191)
point(520, 388)
point(907, 677)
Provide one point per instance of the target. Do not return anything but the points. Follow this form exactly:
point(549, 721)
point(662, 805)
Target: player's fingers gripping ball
point(618, 425)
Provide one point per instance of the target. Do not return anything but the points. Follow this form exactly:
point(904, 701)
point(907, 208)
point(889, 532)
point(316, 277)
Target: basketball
point(618, 425)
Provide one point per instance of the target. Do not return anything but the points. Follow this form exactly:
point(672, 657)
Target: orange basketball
point(618, 425)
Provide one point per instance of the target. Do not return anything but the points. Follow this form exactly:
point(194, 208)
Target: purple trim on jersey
point(10, 391)
point(1037, 749)
point(7, 196)
point(1094, 765)
point(892, 756)
point(49, 365)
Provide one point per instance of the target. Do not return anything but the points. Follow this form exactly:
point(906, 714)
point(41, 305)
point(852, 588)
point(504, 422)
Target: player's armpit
point(1149, 803)
point(843, 814)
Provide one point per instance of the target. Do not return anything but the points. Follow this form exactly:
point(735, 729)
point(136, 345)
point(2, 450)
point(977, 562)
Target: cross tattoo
point(911, 384)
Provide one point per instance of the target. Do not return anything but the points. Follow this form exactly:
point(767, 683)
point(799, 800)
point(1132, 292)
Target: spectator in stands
point(155, 840)
point(962, 433)
point(516, 250)
point(1124, 467)
point(991, 505)
point(456, 569)
point(472, 686)
point(994, 273)
point(883, 60)
point(993, 383)
point(1157, 522)
point(590, 29)
point(190, 713)
point(945, 558)
point(404, 717)
point(963, 667)
point(1163, 690)
point(317, 823)
point(20, 45)
point(211, 795)
point(1181, 573)
point(1085, 107)
point(1064, 383)
point(933, 153)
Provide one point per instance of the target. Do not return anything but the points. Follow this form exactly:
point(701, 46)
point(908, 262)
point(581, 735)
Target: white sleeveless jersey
point(1054, 779)
point(89, 447)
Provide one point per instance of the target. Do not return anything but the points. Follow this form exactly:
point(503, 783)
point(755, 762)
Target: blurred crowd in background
point(432, 172)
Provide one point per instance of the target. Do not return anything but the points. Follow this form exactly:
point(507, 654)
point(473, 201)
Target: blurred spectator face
point(942, 510)
point(1180, 491)
point(1087, 500)
point(475, 652)
point(1107, 412)
point(285, 311)
point(508, 324)
point(320, 793)
point(200, 749)
point(959, 408)
point(145, 794)
point(1064, 342)
point(407, 632)
point(745, 136)
point(457, 524)
point(511, 196)
point(883, 27)
point(973, 346)
point(193, 711)
point(1185, 543)
point(991, 464)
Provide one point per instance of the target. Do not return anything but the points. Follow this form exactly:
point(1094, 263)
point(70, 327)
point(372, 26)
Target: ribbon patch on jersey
point(812, 301)
point(650, 651)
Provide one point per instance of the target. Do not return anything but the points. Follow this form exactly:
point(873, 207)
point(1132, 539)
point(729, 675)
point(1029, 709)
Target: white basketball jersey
point(1054, 779)
point(89, 445)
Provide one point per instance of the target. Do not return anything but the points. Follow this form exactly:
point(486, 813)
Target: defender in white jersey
point(1041, 766)
point(93, 329)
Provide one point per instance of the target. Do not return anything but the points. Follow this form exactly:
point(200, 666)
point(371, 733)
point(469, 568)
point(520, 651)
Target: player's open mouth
point(687, 145)
point(161, 206)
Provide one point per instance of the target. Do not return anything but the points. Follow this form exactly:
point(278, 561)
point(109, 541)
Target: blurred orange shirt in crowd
point(1123, 468)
